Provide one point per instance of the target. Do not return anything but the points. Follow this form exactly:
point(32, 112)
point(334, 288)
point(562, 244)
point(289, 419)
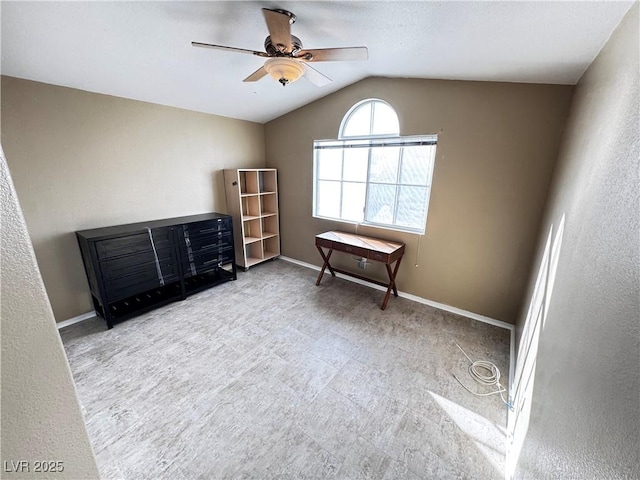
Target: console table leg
point(386, 299)
point(395, 272)
point(392, 283)
point(325, 265)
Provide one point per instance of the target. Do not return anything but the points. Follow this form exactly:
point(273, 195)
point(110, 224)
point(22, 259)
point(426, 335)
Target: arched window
point(372, 175)
point(370, 118)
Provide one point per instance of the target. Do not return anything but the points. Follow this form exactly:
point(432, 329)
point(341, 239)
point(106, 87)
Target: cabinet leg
point(107, 316)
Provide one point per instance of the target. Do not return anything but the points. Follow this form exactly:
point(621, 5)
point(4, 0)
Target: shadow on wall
point(522, 388)
point(219, 197)
point(63, 249)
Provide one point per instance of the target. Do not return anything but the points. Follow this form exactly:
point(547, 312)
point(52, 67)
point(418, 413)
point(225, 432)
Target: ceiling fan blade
point(279, 25)
point(333, 54)
point(229, 49)
point(257, 75)
point(315, 77)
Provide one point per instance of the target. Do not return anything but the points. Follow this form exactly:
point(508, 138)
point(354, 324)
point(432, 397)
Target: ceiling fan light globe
point(284, 70)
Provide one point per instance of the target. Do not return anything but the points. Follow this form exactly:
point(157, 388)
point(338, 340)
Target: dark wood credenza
point(140, 266)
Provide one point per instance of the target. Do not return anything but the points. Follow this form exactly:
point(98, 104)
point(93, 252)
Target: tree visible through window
point(371, 174)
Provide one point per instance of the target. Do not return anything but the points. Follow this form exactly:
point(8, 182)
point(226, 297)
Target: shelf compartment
point(269, 226)
point(250, 207)
point(268, 204)
point(252, 229)
point(248, 182)
point(253, 261)
point(267, 181)
point(253, 253)
point(271, 247)
point(269, 255)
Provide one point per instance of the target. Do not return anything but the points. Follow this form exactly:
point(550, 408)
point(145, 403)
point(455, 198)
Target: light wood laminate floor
point(272, 377)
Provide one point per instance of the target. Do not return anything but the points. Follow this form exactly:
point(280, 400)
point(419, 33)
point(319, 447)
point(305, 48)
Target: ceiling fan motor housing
point(271, 49)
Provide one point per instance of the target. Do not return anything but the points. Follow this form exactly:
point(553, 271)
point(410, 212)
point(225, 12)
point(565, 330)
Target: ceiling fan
point(287, 61)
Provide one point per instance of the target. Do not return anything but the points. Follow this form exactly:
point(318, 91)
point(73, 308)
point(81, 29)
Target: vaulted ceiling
point(142, 50)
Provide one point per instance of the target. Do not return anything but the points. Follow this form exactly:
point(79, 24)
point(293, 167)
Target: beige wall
point(41, 417)
point(82, 160)
point(497, 148)
point(585, 415)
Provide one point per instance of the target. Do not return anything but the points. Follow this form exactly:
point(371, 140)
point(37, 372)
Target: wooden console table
point(367, 247)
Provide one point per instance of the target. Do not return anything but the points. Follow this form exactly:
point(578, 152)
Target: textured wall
point(41, 417)
point(585, 418)
point(497, 148)
point(83, 160)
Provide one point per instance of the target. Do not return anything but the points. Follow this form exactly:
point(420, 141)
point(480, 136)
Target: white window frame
point(370, 141)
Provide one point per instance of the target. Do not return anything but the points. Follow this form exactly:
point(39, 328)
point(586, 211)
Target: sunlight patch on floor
point(489, 438)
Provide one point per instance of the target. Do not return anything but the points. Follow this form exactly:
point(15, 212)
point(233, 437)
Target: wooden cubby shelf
point(252, 201)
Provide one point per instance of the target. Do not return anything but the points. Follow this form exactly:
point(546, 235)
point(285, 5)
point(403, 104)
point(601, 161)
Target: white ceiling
point(142, 50)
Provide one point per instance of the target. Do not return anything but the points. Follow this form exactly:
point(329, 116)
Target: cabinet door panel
point(226, 254)
point(202, 243)
point(128, 287)
point(209, 226)
point(139, 262)
point(133, 274)
point(128, 265)
point(201, 262)
point(129, 244)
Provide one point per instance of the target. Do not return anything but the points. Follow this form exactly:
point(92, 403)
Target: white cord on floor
point(478, 370)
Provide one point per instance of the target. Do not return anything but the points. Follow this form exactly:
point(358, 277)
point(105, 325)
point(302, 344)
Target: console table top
point(361, 241)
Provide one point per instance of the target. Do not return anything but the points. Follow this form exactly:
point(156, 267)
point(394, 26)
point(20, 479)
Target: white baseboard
point(415, 298)
point(79, 318)
point(431, 303)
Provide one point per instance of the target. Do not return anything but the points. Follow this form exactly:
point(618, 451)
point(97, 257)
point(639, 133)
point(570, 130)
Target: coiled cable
point(485, 373)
